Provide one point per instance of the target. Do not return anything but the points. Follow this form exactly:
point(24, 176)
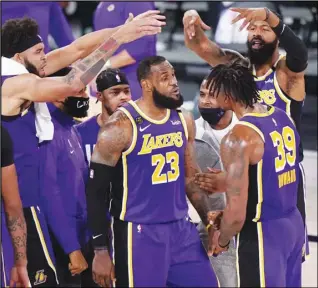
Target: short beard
point(262, 55)
point(31, 68)
point(108, 110)
point(163, 101)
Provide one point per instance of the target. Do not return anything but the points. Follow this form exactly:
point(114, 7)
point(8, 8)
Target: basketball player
point(145, 152)
point(14, 222)
point(113, 91)
point(21, 43)
point(260, 156)
point(280, 79)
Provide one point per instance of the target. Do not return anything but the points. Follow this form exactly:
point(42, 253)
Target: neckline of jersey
point(158, 122)
point(264, 114)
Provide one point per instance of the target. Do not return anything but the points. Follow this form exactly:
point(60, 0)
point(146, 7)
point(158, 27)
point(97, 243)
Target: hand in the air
point(19, 277)
point(191, 19)
point(148, 23)
point(103, 269)
point(212, 181)
point(77, 262)
point(249, 15)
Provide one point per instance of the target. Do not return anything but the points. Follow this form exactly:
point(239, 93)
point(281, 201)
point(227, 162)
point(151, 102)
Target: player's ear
point(18, 57)
point(99, 96)
point(146, 85)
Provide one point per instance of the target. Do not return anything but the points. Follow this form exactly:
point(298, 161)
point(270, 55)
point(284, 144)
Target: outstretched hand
point(191, 19)
point(145, 24)
point(212, 181)
point(250, 15)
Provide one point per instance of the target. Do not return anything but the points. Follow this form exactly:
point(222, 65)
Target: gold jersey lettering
point(286, 178)
point(267, 96)
point(161, 141)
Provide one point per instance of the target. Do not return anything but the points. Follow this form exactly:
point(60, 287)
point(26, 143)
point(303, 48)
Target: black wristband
point(225, 245)
point(279, 29)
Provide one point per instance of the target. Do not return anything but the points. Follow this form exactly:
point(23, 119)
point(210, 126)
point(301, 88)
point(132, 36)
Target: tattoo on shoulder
point(112, 140)
point(233, 152)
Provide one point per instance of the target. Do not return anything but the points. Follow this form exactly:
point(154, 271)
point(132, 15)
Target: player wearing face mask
point(63, 173)
point(211, 127)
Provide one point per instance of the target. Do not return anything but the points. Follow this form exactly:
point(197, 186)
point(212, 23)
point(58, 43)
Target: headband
point(29, 42)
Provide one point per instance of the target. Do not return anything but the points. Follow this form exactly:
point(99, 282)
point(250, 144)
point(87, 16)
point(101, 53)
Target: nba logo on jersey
point(139, 228)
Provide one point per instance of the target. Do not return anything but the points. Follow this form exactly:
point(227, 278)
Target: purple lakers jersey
point(273, 181)
point(271, 94)
point(22, 130)
point(150, 179)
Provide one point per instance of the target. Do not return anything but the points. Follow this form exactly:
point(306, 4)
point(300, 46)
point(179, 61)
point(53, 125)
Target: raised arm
point(197, 41)
point(290, 70)
point(85, 45)
point(113, 139)
point(32, 88)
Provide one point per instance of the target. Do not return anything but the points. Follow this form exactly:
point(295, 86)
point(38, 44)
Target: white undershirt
point(219, 134)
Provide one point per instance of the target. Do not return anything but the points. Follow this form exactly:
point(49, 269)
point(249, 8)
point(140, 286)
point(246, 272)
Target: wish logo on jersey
point(151, 143)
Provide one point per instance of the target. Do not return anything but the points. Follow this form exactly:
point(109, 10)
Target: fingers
point(149, 13)
point(246, 21)
point(213, 170)
point(239, 10)
point(237, 18)
point(12, 282)
point(204, 26)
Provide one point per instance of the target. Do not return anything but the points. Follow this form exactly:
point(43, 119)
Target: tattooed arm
point(85, 45)
point(198, 198)
point(32, 88)
point(114, 137)
point(197, 41)
point(11, 200)
point(14, 213)
point(237, 152)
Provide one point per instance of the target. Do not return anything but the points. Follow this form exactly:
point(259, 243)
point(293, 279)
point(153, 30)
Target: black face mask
point(164, 101)
point(76, 106)
point(262, 55)
point(212, 115)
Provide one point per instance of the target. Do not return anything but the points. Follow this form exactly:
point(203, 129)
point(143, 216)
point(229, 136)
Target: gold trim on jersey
point(263, 77)
point(130, 259)
point(42, 240)
point(259, 190)
point(261, 254)
point(184, 124)
point(124, 160)
point(158, 122)
point(237, 260)
point(281, 95)
point(263, 114)
point(248, 124)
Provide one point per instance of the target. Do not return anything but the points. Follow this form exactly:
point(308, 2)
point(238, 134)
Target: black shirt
point(6, 148)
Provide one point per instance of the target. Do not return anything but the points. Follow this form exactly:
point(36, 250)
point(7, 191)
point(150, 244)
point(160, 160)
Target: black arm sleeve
point(6, 148)
point(97, 196)
point(296, 50)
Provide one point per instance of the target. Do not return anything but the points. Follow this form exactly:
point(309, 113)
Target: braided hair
point(236, 82)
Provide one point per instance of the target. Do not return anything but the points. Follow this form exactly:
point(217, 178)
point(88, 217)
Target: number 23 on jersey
point(159, 161)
